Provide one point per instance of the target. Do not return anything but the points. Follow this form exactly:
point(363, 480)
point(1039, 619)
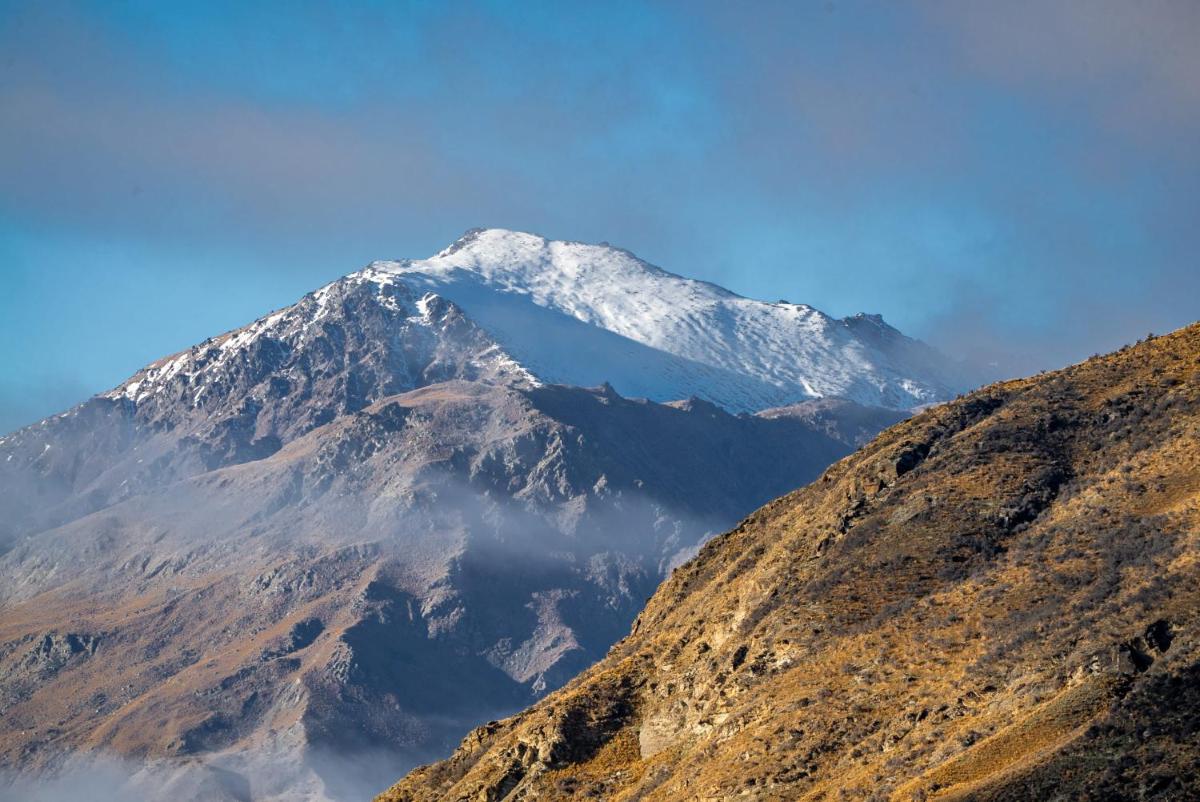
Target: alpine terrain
point(998, 599)
point(296, 559)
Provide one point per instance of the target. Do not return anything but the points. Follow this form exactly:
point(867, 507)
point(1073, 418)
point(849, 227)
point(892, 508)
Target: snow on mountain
point(578, 314)
point(583, 314)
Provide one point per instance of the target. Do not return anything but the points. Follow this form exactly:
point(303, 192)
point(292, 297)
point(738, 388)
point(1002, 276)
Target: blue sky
point(1018, 183)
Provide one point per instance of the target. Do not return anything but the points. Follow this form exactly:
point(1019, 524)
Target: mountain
point(997, 599)
point(241, 397)
point(496, 306)
point(368, 521)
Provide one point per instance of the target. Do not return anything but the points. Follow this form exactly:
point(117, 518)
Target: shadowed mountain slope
point(997, 599)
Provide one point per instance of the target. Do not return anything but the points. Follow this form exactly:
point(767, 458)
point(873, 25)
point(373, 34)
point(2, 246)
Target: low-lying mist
point(249, 776)
point(442, 607)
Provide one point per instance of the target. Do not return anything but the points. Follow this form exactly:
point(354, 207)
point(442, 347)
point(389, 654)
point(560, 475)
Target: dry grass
point(941, 615)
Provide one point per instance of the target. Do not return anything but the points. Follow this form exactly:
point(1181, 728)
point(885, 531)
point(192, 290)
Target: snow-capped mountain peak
point(583, 314)
point(517, 308)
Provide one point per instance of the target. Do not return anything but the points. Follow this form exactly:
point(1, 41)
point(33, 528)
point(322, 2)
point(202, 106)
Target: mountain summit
point(582, 314)
point(509, 307)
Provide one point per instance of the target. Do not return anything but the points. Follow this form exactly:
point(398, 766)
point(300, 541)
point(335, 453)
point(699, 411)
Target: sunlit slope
point(996, 599)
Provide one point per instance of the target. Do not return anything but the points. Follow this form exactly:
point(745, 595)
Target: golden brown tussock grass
point(997, 599)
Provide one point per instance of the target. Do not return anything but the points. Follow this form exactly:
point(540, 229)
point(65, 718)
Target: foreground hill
point(995, 600)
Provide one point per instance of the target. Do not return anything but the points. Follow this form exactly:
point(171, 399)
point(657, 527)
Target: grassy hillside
point(994, 600)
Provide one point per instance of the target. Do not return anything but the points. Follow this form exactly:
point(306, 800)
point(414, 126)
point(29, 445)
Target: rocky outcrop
point(853, 424)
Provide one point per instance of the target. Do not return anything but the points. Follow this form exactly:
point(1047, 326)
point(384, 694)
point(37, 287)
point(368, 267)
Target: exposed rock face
point(998, 599)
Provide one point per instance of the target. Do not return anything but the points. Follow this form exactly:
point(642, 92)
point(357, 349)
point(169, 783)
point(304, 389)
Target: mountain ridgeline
point(421, 497)
point(997, 599)
point(498, 307)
